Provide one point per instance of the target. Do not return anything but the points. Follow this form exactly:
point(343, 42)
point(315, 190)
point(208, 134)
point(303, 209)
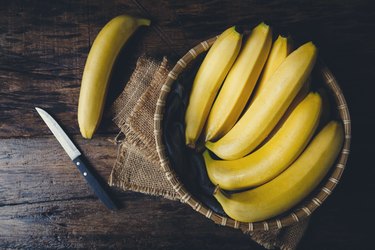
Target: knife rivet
point(78, 163)
point(84, 173)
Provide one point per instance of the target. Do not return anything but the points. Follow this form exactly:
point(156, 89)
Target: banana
point(98, 67)
point(303, 92)
point(275, 156)
point(281, 48)
point(264, 113)
point(208, 80)
point(291, 186)
point(239, 83)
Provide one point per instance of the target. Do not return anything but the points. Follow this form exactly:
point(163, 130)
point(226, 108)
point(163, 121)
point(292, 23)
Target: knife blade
point(99, 187)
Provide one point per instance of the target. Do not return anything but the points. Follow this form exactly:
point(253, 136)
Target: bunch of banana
point(273, 157)
point(269, 106)
point(239, 83)
point(292, 185)
point(208, 81)
point(98, 68)
point(270, 156)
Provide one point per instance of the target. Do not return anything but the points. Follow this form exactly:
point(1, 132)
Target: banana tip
point(87, 137)
point(216, 190)
point(207, 137)
point(144, 21)
point(312, 44)
point(264, 24)
point(190, 145)
point(85, 134)
point(209, 145)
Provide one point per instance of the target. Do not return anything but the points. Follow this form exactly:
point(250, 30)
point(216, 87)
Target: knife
point(100, 188)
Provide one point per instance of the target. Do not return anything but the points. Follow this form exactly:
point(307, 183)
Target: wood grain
point(82, 224)
point(38, 169)
point(45, 203)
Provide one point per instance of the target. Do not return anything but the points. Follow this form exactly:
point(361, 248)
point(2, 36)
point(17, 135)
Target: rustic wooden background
point(44, 202)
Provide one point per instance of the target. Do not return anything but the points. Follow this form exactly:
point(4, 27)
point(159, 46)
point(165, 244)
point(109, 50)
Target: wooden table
point(44, 202)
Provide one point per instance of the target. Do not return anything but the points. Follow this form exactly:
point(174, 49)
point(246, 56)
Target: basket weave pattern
point(305, 208)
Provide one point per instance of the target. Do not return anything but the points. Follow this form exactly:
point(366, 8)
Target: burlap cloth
point(137, 165)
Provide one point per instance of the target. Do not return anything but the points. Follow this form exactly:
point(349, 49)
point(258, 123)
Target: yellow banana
point(303, 92)
point(98, 67)
point(264, 113)
point(281, 48)
point(272, 158)
point(291, 186)
point(208, 81)
point(239, 83)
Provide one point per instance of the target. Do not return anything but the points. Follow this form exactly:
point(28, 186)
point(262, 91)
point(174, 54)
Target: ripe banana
point(96, 74)
point(208, 80)
point(272, 158)
point(291, 186)
point(281, 48)
point(264, 113)
point(303, 92)
point(239, 83)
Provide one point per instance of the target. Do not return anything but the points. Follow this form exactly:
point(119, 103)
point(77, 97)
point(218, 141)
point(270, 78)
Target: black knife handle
point(100, 188)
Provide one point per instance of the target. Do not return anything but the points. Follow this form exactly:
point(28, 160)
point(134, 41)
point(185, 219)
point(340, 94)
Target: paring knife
point(99, 187)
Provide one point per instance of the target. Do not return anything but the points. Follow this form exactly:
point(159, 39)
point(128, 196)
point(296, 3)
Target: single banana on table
point(292, 185)
point(239, 83)
point(98, 68)
point(208, 81)
point(272, 158)
point(269, 106)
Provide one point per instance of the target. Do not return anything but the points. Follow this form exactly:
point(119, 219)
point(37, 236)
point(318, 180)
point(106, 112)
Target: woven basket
point(299, 212)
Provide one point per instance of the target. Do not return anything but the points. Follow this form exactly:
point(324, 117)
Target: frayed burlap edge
point(123, 174)
point(134, 132)
point(134, 106)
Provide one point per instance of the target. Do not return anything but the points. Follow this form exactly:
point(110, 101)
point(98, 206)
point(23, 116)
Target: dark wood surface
point(44, 203)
